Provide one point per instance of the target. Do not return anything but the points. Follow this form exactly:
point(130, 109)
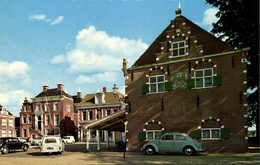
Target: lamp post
point(125, 123)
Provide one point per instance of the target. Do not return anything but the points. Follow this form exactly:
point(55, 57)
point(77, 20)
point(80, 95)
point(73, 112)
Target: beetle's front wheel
point(149, 150)
point(188, 151)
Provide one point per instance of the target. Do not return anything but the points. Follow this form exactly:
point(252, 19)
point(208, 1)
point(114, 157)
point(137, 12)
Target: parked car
point(51, 144)
point(8, 144)
point(68, 139)
point(36, 140)
point(173, 142)
point(22, 139)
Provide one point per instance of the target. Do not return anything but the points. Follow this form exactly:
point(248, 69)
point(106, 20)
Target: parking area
point(75, 154)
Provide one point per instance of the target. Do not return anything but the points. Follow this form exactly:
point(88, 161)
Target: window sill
point(210, 139)
point(155, 92)
point(171, 56)
point(204, 87)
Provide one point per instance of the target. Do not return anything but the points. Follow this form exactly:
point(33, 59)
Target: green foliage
point(145, 88)
point(142, 136)
point(190, 83)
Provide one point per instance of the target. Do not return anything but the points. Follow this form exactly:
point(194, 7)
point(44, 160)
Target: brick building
point(97, 106)
point(7, 123)
point(51, 112)
point(188, 81)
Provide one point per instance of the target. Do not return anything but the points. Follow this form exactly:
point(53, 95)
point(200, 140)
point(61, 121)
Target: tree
point(239, 23)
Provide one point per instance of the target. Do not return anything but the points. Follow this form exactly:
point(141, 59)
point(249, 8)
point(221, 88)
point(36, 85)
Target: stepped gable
point(199, 41)
point(53, 92)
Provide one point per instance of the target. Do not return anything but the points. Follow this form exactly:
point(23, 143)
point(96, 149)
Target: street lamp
point(125, 123)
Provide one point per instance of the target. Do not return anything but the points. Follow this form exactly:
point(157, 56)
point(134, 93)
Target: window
point(26, 109)
point(178, 48)
point(203, 78)
point(24, 132)
point(24, 119)
point(108, 112)
point(11, 123)
point(10, 133)
point(156, 83)
point(168, 137)
point(38, 107)
point(84, 116)
point(4, 124)
point(153, 134)
point(47, 131)
point(50, 140)
point(56, 106)
point(90, 115)
point(56, 119)
point(179, 137)
point(68, 107)
point(56, 131)
point(210, 133)
point(115, 110)
point(29, 119)
point(47, 107)
point(47, 120)
point(4, 133)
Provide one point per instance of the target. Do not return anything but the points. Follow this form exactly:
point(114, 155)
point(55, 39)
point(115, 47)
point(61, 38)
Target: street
point(75, 154)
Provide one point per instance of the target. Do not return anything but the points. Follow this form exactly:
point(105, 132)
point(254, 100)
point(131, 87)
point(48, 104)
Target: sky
point(81, 43)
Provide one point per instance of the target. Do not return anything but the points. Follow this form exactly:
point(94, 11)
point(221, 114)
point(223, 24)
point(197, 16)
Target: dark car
point(8, 144)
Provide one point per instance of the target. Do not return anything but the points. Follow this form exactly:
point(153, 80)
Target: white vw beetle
point(52, 144)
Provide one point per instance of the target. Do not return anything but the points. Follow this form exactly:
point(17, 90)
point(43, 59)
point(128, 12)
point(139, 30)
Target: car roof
point(175, 133)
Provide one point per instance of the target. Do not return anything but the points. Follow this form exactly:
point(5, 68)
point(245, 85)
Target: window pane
point(175, 52)
point(208, 82)
point(181, 44)
point(153, 88)
point(199, 82)
point(160, 87)
point(152, 79)
point(157, 135)
point(150, 135)
point(208, 72)
point(206, 133)
point(215, 133)
point(160, 78)
point(181, 51)
point(199, 73)
point(175, 45)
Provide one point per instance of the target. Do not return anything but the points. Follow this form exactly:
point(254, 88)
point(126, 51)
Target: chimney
point(45, 86)
point(79, 93)
point(60, 86)
point(104, 89)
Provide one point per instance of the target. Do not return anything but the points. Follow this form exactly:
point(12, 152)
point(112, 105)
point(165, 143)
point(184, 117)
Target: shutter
point(197, 134)
point(142, 136)
point(168, 86)
point(224, 134)
point(217, 80)
point(145, 88)
point(190, 83)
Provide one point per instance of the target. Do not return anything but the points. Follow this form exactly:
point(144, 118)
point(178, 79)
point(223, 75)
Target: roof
point(113, 122)
point(53, 92)
point(110, 97)
point(209, 43)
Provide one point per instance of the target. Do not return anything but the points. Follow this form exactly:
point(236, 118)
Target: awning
point(113, 122)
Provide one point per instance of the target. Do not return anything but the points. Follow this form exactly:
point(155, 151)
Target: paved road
point(75, 155)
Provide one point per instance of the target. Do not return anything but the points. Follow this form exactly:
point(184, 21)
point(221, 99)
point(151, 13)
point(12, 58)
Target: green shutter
point(197, 134)
point(190, 83)
point(224, 134)
point(217, 80)
point(168, 86)
point(142, 136)
point(145, 88)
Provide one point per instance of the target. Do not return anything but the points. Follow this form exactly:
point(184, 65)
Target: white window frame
point(56, 123)
point(153, 131)
point(11, 123)
point(4, 133)
point(10, 133)
point(24, 122)
point(25, 130)
point(68, 107)
point(54, 106)
point(203, 77)
point(210, 132)
point(46, 122)
point(4, 122)
point(38, 107)
point(178, 48)
point(26, 109)
point(156, 83)
point(47, 107)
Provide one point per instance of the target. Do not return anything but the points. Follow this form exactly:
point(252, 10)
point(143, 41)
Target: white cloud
point(210, 17)
point(97, 51)
point(38, 17)
point(107, 77)
point(57, 20)
point(17, 69)
point(58, 59)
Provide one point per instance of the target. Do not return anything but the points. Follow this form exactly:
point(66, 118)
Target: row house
point(188, 81)
point(51, 112)
point(7, 123)
point(97, 106)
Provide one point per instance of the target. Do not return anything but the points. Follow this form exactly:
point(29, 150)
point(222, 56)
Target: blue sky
point(80, 42)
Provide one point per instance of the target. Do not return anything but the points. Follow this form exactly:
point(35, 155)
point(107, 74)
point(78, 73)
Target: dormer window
point(178, 48)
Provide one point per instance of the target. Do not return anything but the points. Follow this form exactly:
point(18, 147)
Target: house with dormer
point(7, 123)
point(188, 81)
